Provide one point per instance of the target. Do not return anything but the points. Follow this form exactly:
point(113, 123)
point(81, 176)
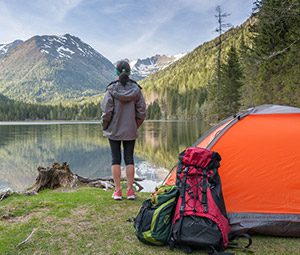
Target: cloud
point(60, 8)
point(201, 6)
point(152, 28)
point(113, 9)
point(23, 19)
point(9, 26)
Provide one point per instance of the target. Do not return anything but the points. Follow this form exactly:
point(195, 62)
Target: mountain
point(142, 68)
point(6, 48)
point(51, 68)
point(180, 89)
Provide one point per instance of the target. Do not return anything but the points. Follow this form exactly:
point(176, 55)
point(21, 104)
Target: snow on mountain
point(5, 48)
point(65, 46)
point(142, 68)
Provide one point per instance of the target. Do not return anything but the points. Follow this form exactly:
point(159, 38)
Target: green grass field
point(88, 221)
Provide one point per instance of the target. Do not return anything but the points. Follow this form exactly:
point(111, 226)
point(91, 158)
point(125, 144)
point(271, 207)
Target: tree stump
point(55, 177)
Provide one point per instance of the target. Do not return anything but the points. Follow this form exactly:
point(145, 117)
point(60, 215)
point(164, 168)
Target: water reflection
point(25, 147)
point(160, 142)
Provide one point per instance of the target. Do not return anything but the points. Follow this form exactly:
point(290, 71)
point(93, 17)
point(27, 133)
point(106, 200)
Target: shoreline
point(65, 122)
point(47, 122)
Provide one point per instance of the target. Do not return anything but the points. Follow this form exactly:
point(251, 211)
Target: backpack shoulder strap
point(113, 82)
point(133, 81)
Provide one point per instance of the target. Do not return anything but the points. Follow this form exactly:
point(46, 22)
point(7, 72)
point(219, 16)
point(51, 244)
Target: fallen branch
point(27, 239)
point(108, 178)
point(107, 182)
point(101, 184)
point(139, 186)
point(5, 194)
point(274, 54)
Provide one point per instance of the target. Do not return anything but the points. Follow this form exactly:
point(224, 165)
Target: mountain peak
point(142, 68)
point(64, 47)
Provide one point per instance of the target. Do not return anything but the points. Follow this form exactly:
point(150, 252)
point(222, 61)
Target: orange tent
point(260, 168)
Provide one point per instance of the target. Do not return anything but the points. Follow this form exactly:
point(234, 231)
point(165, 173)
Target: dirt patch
point(78, 221)
point(11, 218)
point(66, 190)
point(80, 212)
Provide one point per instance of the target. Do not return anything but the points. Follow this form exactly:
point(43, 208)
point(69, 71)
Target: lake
point(26, 145)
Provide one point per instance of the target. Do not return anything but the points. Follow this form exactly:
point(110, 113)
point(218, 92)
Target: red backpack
point(200, 219)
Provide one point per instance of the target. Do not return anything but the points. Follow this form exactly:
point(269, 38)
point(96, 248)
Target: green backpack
point(153, 222)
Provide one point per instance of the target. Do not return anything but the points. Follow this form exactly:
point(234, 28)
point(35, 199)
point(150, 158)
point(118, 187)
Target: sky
point(121, 29)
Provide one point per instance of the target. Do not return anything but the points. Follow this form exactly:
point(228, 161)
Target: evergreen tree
point(231, 84)
point(276, 49)
point(153, 111)
point(249, 69)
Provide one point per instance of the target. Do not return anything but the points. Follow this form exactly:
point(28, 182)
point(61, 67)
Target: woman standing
point(123, 109)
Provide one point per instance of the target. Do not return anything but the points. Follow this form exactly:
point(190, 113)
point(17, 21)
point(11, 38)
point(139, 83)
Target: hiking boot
point(130, 194)
point(117, 195)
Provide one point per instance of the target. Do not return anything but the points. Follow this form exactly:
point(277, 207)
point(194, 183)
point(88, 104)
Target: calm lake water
point(25, 146)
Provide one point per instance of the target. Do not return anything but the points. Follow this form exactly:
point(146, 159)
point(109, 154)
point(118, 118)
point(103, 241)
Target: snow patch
point(132, 63)
point(179, 56)
point(62, 49)
point(62, 55)
point(80, 49)
point(4, 48)
point(63, 37)
point(44, 51)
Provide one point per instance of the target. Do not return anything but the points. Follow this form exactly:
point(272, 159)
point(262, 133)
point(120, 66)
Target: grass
point(88, 221)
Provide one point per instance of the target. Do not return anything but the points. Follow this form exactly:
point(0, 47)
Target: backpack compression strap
point(204, 190)
point(182, 194)
point(236, 237)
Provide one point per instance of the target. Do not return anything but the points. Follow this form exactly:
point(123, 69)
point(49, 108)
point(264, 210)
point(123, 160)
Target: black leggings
point(115, 147)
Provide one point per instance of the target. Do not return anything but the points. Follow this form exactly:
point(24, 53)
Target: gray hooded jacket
point(123, 111)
